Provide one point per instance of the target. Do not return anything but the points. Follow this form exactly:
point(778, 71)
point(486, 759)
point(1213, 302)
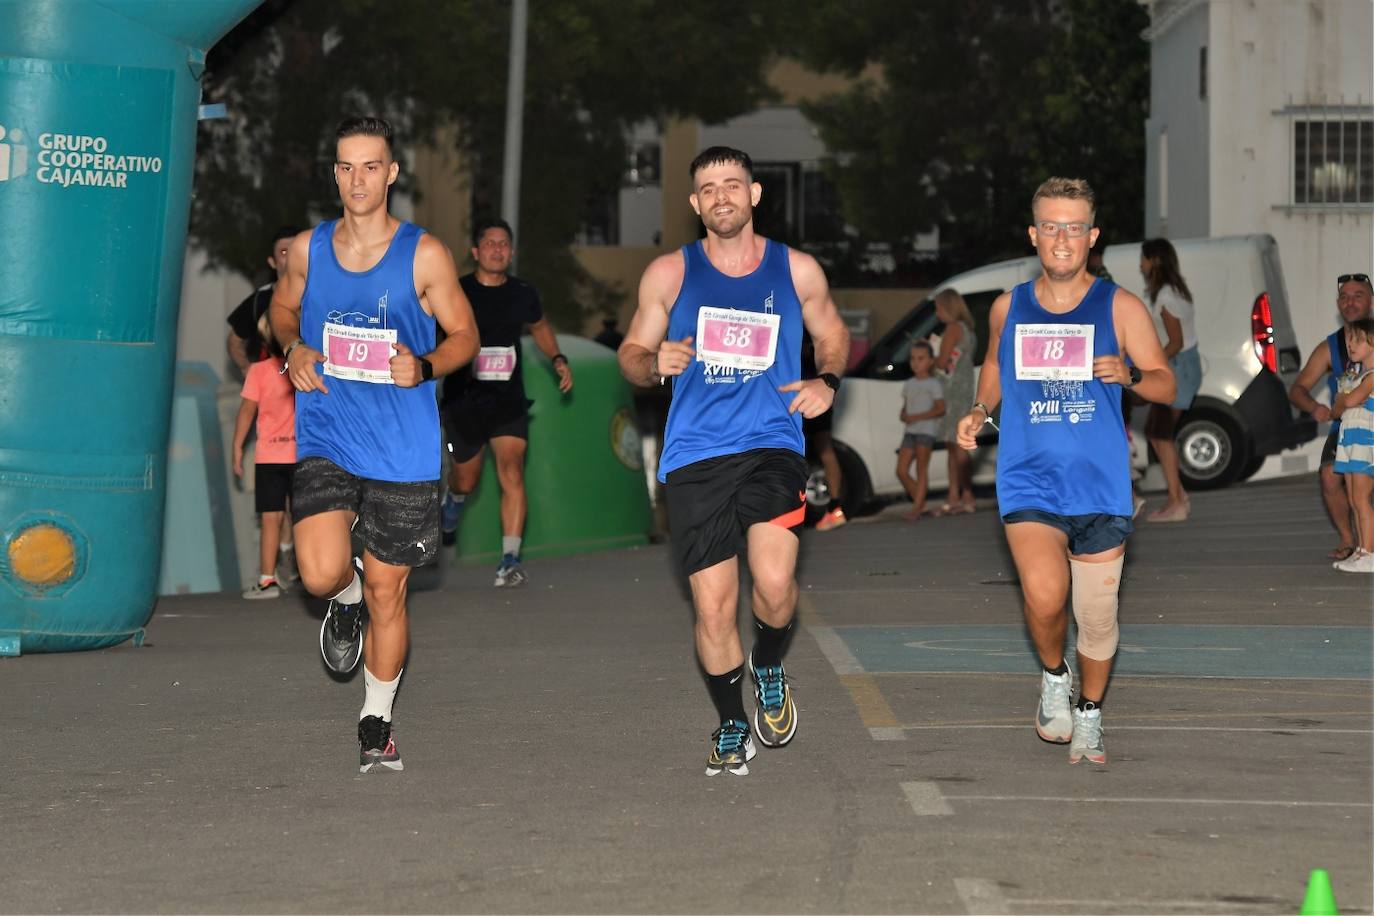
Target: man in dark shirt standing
point(484, 402)
point(245, 343)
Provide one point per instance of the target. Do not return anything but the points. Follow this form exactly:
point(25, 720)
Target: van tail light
point(1262, 331)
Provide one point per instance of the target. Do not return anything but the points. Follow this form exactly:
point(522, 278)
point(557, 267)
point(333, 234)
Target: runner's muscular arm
point(1300, 395)
point(547, 342)
point(1136, 338)
point(828, 334)
point(645, 357)
point(989, 378)
point(285, 316)
point(436, 282)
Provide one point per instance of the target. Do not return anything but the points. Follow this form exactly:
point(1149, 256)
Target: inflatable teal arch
point(98, 110)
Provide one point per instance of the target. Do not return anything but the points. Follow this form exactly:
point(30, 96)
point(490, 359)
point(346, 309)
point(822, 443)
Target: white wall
point(1266, 56)
point(1178, 119)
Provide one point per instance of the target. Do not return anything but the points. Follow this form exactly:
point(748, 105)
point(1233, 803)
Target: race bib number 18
point(744, 340)
point(360, 354)
point(1054, 351)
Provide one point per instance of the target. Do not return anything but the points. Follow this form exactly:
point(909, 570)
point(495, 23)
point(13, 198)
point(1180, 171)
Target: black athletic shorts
point(469, 426)
point(271, 486)
point(399, 522)
point(712, 503)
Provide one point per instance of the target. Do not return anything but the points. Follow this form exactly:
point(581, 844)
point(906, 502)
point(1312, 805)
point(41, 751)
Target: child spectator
point(1354, 406)
point(923, 401)
point(270, 395)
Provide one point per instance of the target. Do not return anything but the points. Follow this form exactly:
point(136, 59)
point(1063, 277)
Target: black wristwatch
point(830, 379)
point(1136, 375)
point(426, 369)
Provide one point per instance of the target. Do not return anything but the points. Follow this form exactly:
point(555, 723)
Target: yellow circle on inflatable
point(43, 555)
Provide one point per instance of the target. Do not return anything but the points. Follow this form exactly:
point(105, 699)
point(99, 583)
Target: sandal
point(945, 509)
point(1340, 553)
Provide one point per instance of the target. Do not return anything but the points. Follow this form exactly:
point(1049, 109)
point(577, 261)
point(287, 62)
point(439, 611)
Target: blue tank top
point(1333, 346)
point(1062, 446)
point(721, 409)
point(374, 430)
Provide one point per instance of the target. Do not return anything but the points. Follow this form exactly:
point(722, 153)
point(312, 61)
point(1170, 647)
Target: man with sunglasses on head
point(1329, 358)
point(1057, 363)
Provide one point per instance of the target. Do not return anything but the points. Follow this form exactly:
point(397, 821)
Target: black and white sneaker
point(377, 746)
point(341, 633)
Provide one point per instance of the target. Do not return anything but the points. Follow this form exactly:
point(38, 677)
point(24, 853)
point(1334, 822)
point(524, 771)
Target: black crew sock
point(727, 693)
point(1062, 669)
point(769, 643)
point(1088, 704)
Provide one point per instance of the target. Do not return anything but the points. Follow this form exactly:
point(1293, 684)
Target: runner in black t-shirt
point(485, 400)
point(245, 343)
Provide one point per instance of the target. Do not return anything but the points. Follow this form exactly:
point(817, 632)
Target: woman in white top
point(1171, 304)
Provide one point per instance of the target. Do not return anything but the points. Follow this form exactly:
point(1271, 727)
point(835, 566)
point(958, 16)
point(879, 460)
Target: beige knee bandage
point(1095, 589)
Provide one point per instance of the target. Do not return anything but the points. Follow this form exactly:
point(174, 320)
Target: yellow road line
point(873, 709)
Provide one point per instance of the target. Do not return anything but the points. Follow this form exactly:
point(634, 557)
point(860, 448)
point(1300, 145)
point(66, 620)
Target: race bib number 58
point(360, 354)
point(1054, 352)
point(744, 340)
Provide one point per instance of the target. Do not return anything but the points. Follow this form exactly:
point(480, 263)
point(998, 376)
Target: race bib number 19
point(1050, 352)
point(744, 340)
point(360, 354)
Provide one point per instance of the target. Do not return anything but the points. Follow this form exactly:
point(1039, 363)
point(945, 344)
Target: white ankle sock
point(511, 545)
point(379, 696)
point(352, 593)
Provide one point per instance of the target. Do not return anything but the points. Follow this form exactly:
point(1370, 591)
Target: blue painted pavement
point(1149, 649)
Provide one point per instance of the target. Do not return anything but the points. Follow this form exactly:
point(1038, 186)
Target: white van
point(1241, 415)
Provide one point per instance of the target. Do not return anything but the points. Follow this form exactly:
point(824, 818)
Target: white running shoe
point(1053, 721)
point(1087, 736)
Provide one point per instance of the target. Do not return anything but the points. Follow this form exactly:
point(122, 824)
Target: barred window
point(1333, 161)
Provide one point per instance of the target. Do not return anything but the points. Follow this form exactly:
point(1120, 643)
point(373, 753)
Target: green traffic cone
point(1320, 899)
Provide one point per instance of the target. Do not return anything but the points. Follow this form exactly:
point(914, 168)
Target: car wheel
point(1212, 452)
point(857, 488)
point(818, 495)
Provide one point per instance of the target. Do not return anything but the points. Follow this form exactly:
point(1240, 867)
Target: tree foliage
point(975, 104)
point(291, 70)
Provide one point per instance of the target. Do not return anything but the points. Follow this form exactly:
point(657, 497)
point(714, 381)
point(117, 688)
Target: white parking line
point(1260, 802)
point(981, 896)
point(835, 650)
point(1164, 728)
point(926, 799)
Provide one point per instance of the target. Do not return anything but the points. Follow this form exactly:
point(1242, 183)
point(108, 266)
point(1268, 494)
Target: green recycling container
point(584, 471)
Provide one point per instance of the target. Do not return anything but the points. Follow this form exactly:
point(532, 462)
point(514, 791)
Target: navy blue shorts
point(1088, 534)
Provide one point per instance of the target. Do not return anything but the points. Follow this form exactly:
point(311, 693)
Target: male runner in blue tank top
point(1329, 358)
point(723, 318)
point(1056, 363)
point(355, 311)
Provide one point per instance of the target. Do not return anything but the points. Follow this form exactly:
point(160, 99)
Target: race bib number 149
point(360, 354)
point(1050, 352)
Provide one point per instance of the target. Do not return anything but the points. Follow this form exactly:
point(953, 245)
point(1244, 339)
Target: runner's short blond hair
point(1070, 188)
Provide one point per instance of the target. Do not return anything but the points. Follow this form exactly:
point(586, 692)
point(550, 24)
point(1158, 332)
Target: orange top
point(276, 398)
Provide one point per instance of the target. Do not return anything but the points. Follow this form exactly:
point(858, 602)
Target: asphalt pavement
point(555, 737)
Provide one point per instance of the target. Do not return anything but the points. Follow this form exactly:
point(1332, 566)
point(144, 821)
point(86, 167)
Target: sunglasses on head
point(1346, 278)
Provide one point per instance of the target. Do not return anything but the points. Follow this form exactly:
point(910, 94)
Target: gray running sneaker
point(260, 591)
point(1087, 737)
point(1052, 719)
point(341, 633)
point(775, 713)
point(510, 574)
point(377, 746)
point(732, 747)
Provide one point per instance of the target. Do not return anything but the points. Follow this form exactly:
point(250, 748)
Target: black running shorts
point(468, 426)
point(712, 503)
point(399, 522)
point(271, 486)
